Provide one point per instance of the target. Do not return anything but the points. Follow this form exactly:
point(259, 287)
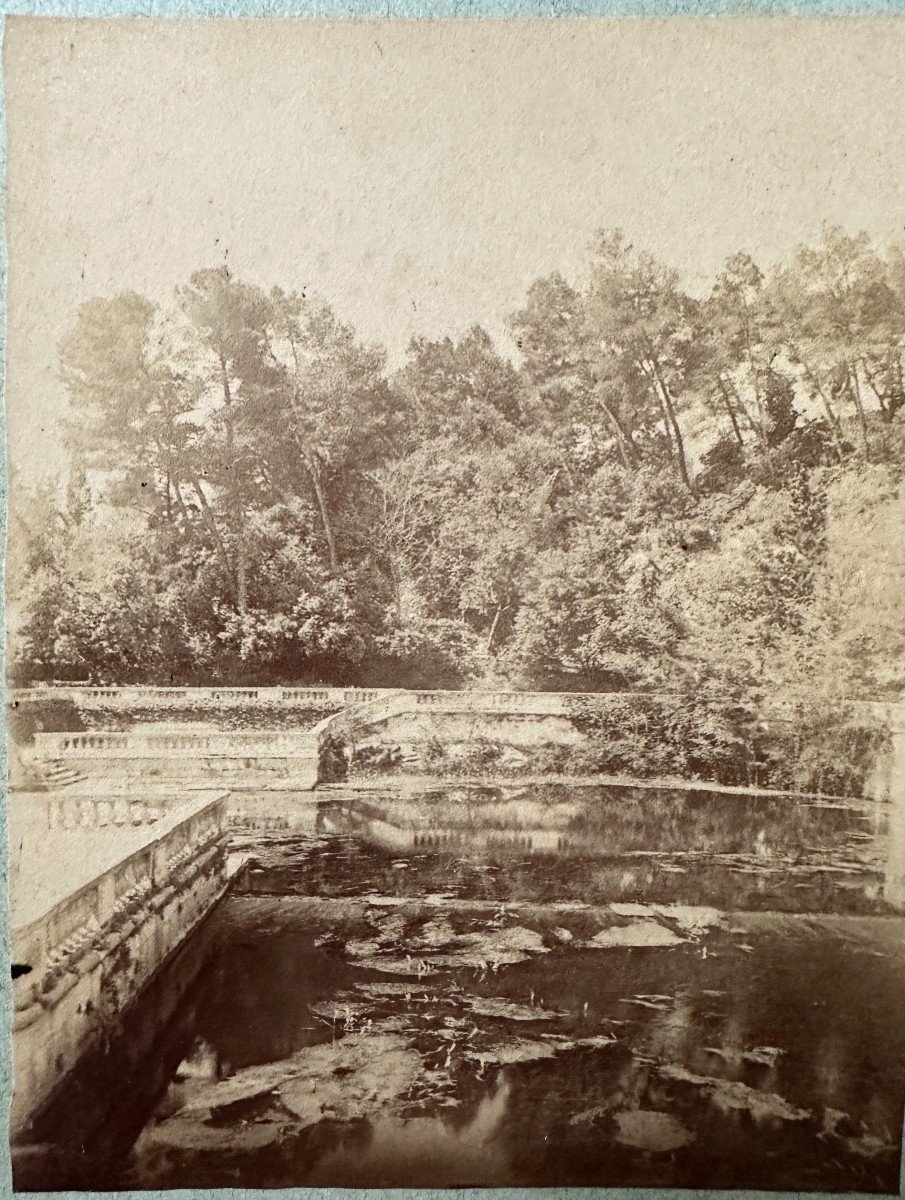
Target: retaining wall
point(88, 953)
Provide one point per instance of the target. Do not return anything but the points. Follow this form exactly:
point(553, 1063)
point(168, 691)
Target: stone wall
point(888, 783)
point(262, 758)
point(87, 955)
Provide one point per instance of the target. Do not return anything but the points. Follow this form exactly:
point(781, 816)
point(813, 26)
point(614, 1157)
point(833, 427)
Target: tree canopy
point(655, 490)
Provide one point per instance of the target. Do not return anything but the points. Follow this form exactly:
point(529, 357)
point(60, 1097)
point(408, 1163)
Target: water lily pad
point(761, 1056)
point(498, 1006)
point(380, 988)
point(590, 1116)
point(731, 1095)
point(595, 1042)
point(434, 935)
point(510, 1053)
point(692, 918)
point(638, 934)
point(362, 949)
point(340, 1010)
point(183, 1133)
point(513, 938)
point(392, 929)
point(245, 1085)
point(413, 968)
point(655, 1132)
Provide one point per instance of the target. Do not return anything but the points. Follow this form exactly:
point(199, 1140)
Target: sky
point(419, 176)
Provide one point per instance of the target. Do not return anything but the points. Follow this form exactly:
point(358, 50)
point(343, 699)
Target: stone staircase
point(235, 760)
point(58, 774)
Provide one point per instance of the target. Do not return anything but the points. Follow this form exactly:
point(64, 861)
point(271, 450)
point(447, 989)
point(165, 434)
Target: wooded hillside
point(660, 492)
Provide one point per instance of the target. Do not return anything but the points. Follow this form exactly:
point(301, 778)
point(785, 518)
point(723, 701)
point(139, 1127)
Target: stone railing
point(483, 699)
point(344, 727)
point(87, 953)
point(97, 812)
point(528, 703)
point(176, 698)
point(165, 698)
point(68, 925)
point(250, 744)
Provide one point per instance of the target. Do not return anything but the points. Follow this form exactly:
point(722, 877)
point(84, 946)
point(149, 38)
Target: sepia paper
point(455, 668)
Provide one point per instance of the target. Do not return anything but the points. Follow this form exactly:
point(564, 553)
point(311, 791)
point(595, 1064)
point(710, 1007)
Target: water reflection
point(778, 1056)
point(420, 1151)
point(594, 844)
point(373, 1011)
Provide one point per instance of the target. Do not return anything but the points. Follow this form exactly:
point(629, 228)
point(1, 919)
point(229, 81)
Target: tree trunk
point(876, 391)
point(493, 626)
point(184, 512)
point(397, 584)
point(756, 427)
point(731, 411)
point(677, 432)
point(220, 545)
point(835, 428)
point(324, 515)
point(852, 371)
point(313, 472)
point(239, 521)
point(628, 451)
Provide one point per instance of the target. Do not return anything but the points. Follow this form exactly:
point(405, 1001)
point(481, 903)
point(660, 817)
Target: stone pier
point(888, 783)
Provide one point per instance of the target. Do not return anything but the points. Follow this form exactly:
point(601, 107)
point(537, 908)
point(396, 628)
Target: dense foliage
point(664, 493)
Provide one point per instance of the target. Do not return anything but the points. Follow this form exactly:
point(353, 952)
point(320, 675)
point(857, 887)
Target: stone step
point(58, 774)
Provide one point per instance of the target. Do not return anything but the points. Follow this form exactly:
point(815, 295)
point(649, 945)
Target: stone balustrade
point(190, 697)
point(97, 812)
point(528, 703)
point(177, 698)
point(87, 948)
point(171, 838)
point(547, 702)
point(266, 743)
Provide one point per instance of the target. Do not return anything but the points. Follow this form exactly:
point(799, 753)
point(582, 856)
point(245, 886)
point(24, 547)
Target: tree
point(465, 390)
point(254, 497)
point(739, 354)
point(331, 397)
point(646, 332)
point(128, 410)
point(582, 403)
point(225, 323)
point(842, 322)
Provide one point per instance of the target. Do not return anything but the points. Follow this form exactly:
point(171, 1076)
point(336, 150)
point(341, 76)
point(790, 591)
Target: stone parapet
point(84, 949)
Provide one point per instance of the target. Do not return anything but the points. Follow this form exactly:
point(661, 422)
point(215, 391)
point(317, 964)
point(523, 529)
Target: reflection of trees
point(261, 1013)
point(615, 820)
point(816, 989)
point(838, 1021)
point(106, 1101)
point(618, 818)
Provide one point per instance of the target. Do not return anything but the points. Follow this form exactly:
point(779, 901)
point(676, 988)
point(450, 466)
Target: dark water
point(558, 843)
point(370, 1011)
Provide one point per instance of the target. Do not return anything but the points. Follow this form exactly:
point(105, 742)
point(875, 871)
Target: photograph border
point(355, 10)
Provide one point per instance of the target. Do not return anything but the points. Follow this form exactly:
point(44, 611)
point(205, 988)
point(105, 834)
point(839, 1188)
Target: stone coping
point(49, 866)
